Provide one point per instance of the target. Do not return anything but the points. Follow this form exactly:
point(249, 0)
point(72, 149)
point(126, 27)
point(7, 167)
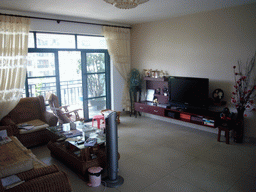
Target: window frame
point(83, 64)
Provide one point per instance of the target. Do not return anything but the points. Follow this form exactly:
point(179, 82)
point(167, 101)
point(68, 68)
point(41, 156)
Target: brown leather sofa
point(30, 110)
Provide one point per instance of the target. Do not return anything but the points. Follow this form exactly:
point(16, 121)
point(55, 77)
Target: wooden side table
point(227, 129)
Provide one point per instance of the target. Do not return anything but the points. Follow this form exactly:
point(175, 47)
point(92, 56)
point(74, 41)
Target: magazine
point(11, 181)
point(72, 133)
point(26, 126)
point(4, 138)
point(90, 142)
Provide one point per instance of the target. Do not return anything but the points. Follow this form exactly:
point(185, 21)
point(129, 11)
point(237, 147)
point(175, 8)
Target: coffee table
point(75, 155)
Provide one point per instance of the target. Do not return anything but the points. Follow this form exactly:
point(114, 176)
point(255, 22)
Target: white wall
point(205, 44)
point(64, 27)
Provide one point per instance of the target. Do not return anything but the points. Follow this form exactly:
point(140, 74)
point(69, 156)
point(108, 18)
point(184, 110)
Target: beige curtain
point(14, 47)
point(118, 43)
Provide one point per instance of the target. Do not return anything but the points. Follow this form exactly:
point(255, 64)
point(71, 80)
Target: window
point(91, 42)
point(46, 40)
point(79, 76)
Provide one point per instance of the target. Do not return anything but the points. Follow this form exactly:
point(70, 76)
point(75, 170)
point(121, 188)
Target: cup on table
point(66, 127)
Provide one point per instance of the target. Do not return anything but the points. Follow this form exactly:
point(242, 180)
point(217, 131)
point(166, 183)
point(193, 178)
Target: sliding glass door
point(70, 75)
point(96, 76)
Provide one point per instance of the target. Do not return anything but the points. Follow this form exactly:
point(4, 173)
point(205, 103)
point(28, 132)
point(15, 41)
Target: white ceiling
point(100, 10)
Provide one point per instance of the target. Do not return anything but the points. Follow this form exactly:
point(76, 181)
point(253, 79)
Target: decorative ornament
point(126, 4)
point(217, 95)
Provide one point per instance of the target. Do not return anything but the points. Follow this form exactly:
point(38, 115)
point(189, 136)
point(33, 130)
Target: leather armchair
point(28, 110)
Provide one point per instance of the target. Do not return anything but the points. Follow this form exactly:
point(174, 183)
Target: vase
point(239, 125)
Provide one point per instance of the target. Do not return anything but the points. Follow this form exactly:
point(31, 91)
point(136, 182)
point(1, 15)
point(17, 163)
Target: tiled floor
point(161, 156)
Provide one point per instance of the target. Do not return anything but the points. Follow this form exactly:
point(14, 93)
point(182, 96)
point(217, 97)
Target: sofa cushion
point(37, 125)
point(14, 159)
point(27, 109)
point(14, 152)
point(15, 168)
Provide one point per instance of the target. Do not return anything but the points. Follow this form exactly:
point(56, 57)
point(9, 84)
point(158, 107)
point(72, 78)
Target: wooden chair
point(62, 112)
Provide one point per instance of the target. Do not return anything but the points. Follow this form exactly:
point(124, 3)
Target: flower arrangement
point(245, 85)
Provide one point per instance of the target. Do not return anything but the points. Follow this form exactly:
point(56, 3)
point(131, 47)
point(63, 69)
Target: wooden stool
point(227, 129)
point(98, 118)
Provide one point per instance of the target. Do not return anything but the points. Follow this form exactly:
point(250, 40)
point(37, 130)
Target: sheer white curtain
point(14, 47)
point(118, 43)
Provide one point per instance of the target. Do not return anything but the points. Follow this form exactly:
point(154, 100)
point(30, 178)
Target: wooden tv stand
point(205, 118)
point(200, 117)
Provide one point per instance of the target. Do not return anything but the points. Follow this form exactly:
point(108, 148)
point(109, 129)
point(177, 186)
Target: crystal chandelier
point(126, 4)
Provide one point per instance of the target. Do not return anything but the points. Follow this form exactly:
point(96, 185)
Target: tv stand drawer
point(141, 107)
point(156, 110)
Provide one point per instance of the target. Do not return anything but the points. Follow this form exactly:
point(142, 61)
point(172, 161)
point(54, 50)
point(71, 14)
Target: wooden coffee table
point(77, 156)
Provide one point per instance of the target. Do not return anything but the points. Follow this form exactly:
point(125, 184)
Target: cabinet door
point(156, 110)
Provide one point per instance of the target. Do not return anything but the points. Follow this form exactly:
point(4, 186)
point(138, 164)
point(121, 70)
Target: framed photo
point(150, 94)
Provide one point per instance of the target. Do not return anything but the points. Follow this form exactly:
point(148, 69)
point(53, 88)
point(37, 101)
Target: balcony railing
point(71, 91)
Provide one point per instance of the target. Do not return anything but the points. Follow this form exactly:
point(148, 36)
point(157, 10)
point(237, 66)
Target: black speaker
point(112, 180)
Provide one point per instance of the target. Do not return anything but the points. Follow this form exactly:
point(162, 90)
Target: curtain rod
point(61, 20)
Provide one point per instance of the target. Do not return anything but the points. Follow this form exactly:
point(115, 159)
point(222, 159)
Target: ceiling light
point(126, 4)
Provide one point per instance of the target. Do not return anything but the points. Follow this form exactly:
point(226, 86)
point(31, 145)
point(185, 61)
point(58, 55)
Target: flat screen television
point(188, 92)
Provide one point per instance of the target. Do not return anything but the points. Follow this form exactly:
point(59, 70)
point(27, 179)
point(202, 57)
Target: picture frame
point(150, 95)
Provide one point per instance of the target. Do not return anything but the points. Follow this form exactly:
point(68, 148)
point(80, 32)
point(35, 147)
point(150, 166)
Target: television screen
point(188, 92)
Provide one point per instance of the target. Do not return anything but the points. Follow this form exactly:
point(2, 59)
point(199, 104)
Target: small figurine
point(155, 101)
point(225, 114)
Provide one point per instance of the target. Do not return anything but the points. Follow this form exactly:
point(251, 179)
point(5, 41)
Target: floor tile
point(252, 170)
point(246, 184)
point(138, 175)
point(207, 176)
point(169, 184)
point(229, 156)
point(162, 156)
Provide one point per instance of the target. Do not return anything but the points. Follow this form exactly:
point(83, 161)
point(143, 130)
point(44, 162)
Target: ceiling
point(99, 10)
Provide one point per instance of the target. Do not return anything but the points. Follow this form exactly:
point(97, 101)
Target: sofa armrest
point(50, 118)
point(35, 173)
point(7, 121)
point(54, 182)
point(11, 130)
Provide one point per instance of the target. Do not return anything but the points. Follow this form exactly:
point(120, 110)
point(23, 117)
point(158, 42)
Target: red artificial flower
point(234, 67)
point(251, 101)
point(233, 93)
point(248, 106)
point(245, 115)
point(235, 86)
point(236, 73)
